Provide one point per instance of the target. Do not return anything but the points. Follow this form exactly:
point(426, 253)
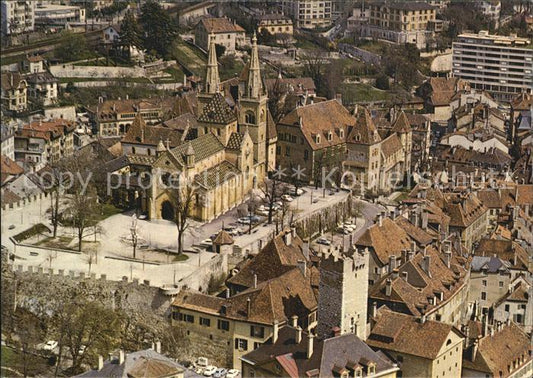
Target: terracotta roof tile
point(220, 25)
point(364, 130)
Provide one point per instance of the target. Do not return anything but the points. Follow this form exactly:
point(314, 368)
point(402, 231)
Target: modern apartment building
point(500, 65)
point(401, 22)
point(308, 13)
point(17, 16)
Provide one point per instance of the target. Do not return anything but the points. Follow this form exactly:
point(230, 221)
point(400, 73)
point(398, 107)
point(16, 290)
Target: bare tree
point(314, 62)
point(272, 190)
point(182, 197)
point(83, 211)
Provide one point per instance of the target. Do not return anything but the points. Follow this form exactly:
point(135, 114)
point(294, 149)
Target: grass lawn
point(58, 242)
point(182, 257)
point(13, 361)
point(229, 71)
point(362, 93)
point(190, 57)
point(107, 211)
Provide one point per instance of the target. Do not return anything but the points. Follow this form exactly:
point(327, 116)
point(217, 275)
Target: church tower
point(212, 79)
point(253, 109)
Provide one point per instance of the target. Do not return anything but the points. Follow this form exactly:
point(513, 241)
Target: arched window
point(262, 118)
point(249, 117)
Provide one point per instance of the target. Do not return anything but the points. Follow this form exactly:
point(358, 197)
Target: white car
point(286, 198)
point(233, 373)
point(206, 243)
point(50, 345)
point(299, 192)
point(323, 241)
point(209, 370)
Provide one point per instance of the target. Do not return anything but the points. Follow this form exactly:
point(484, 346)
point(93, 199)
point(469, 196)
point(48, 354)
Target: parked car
point(344, 230)
point(323, 241)
point(244, 220)
point(287, 198)
point(210, 370)
point(220, 373)
point(299, 192)
point(233, 373)
point(11, 226)
point(50, 345)
point(206, 243)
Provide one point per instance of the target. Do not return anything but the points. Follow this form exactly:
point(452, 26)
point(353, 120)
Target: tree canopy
point(159, 29)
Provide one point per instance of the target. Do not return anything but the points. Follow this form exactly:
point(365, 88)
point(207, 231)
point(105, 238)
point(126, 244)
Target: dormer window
point(330, 136)
point(371, 369)
point(358, 137)
point(341, 133)
point(358, 372)
point(317, 139)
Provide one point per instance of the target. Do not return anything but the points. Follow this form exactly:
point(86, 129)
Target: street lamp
point(133, 230)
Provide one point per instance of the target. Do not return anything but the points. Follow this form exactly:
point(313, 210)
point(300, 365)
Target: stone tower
point(212, 79)
point(343, 294)
point(253, 109)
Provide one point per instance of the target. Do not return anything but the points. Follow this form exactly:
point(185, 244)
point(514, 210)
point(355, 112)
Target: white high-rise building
point(18, 16)
point(308, 13)
point(500, 65)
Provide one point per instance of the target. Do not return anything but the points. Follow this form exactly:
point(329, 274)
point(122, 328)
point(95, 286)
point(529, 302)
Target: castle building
point(343, 293)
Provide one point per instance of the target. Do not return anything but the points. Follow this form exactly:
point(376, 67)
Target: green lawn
point(192, 58)
point(13, 362)
point(107, 211)
point(352, 93)
point(182, 257)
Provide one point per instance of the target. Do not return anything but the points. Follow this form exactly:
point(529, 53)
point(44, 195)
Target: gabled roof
point(496, 353)
point(220, 25)
point(140, 133)
point(329, 355)
point(217, 111)
point(463, 209)
point(364, 130)
point(321, 119)
point(402, 124)
point(277, 299)
point(216, 175)
point(402, 333)
point(418, 234)
point(273, 260)
point(507, 250)
point(235, 141)
point(12, 80)
point(391, 145)
point(386, 240)
point(204, 146)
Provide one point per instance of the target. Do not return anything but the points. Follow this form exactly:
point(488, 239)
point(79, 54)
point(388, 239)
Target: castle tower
point(343, 294)
point(212, 79)
point(253, 109)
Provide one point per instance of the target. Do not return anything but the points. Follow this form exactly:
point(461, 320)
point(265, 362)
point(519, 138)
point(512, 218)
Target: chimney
point(310, 338)
point(388, 287)
point(288, 238)
point(158, 346)
point(485, 325)
point(423, 318)
point(248, 307)
point(255, 281)
point(374, 312)
point(380, 220)
point(426, 264)
point(298, 337)
point(294, 321)
point(305, 250)
point(395, 273)
point(492, 330)
point(275, 331)
point(474, 350)
point(121, 357)
point(404, 276)
point(413, 246)
point(227, 293)
point(303, 267)
point(410, 254)
point(338, 97)
point(392, 263)
point(424, 220)
point(100, 362)
point(447, 259)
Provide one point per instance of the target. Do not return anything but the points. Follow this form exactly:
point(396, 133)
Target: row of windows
point(188, 318)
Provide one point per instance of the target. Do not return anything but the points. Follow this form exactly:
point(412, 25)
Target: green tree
point(159, 29)
point(382, 82)
point(72, 47)
point(220, 50)
point(130, 33)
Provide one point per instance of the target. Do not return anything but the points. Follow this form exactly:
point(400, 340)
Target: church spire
point(255, 86)
point(212, 80)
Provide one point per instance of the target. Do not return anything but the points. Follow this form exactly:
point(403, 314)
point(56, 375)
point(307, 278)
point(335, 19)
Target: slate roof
point(143, 363)
point(496, 353)
point(364, 130)
point(506, 250)
point(217, 111)
point(489, 263)
point(277, 299)
point(41, 78)
point(320, 119)
point(402, 333)
point(328, 355)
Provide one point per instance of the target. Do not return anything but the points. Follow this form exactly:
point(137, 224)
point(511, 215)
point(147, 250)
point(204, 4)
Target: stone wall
point(325, 219)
